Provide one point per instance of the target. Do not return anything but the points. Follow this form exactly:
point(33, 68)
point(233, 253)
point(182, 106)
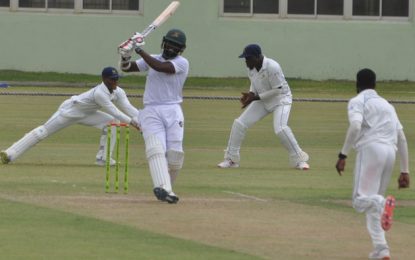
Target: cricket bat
point(169, 11)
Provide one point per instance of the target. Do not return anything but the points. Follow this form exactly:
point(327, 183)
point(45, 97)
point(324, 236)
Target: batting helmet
point(174, 43)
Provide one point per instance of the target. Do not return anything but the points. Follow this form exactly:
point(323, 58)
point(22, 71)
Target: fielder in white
point(162, 118)
point(83, 109)
point(376, 134)
point(269, 93)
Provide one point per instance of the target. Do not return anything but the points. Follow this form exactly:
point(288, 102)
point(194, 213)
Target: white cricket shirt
point(270, 84)
point(97, 98)
point(378, 118)
point(164, 88)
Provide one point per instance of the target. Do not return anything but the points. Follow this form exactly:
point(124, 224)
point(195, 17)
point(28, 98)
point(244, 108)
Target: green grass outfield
point(53, 204)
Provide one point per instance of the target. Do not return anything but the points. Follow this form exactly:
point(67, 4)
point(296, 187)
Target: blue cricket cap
point(110, 72)
point(251, 50)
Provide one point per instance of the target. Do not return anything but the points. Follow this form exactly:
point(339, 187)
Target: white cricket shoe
point(302, 166)
point(102, 162)
point(4, 157)
point(380, 252)
point(228, 163)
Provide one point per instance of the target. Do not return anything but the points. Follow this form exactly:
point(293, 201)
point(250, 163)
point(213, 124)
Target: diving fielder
point(162, 118)
point(376, 133)
point(269, 93)
point(83, 109)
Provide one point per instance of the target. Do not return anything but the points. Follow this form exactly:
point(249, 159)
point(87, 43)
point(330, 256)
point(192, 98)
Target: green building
point(311, 39)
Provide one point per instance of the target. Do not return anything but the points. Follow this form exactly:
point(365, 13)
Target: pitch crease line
point(245, 196)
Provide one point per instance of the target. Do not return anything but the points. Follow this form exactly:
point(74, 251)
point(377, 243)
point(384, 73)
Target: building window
point(75, 5)
point(393, 8)
point(237, 6)
point(32, 3)
point(266, 7)
point(115, 4)
point(125, 5)
point(398, 8)
point(330, 7)
point(300, 6)
point(96, 4)
point(251, 6)
point(366, 7)
point(4, 3)
point(314, 9)
point(64, 4)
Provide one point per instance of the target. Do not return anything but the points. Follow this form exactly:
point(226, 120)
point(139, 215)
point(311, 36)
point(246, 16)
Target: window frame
point(251, 11)
point(78, 8)
point(347, 13)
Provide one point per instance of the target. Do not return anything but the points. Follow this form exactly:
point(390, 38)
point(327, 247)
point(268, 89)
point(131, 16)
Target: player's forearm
point(111, 109)
point(352, 133)
point(160, 66)
point(128, 66)
point(403, 151)
point(271, 93)
point(129, 109)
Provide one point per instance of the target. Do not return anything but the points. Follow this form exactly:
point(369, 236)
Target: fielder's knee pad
point(40, 132)
point(175, 159)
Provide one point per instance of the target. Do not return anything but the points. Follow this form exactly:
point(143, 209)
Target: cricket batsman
point(162, 118)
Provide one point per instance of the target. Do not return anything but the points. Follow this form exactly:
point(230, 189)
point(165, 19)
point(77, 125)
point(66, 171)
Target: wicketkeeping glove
point(403, 180)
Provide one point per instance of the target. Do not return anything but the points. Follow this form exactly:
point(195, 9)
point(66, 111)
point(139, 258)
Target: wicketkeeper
point(84, 109)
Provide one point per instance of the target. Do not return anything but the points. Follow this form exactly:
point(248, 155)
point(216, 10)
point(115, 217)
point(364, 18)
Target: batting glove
point(125, 49)
point(138, 40)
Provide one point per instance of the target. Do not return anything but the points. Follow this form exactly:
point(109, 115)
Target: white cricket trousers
point(252, 114)
point(166, 122)
point(256, 111)
point(55, 123)
point(163, 130)
point(372, 173)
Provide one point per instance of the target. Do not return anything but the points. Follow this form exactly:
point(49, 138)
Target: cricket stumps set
point(117, 156)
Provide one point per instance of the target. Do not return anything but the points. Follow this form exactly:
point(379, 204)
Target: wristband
point(125, 65)
point(342, 156)
point(138, 50)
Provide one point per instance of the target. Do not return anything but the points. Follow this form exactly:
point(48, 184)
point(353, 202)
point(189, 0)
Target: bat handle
point(148, 30)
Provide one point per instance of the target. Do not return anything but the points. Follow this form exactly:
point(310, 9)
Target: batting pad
point(175, 161)
point(26, 142)
point(157, 163)
point(236, 137)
